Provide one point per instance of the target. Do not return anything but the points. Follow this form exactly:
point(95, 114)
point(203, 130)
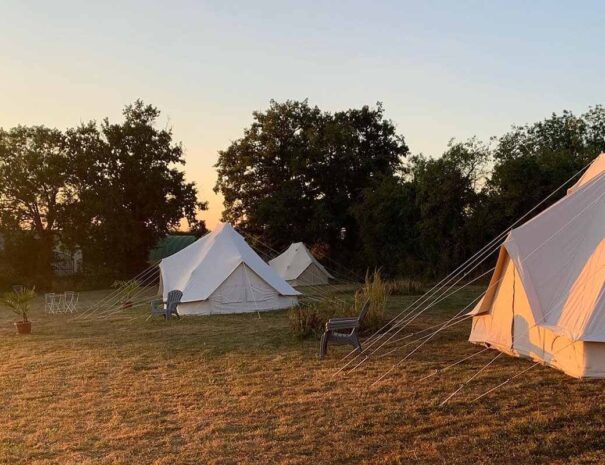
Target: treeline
point(109, 190)
point(346, 184)
point(343, 182)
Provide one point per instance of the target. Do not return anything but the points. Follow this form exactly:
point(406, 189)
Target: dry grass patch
point(241, 390)
point(406, 286)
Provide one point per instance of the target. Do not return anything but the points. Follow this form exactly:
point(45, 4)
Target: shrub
point(376, 291)
point(304, 320)
point(405, 287)
point(309, 318)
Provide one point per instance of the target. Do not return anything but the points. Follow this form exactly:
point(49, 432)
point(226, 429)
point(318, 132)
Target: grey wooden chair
point(168, 308)
point(343, 331)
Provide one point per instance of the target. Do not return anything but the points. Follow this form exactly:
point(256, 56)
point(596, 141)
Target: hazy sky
point(442, 69)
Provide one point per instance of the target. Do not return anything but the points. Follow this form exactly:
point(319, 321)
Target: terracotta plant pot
point(23, 327)
point(127, 305)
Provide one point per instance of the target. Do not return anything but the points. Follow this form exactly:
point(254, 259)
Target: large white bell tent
point(220, 273)
point(546, 299)
point(299, 267)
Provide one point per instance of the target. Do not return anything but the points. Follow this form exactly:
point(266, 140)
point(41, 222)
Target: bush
point(309, 318)
point(405, 287)
point(376, 291)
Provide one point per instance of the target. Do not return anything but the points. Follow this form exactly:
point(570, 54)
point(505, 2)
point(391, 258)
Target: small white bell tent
point(546, 299)
point(220, 273)
point(299, 267)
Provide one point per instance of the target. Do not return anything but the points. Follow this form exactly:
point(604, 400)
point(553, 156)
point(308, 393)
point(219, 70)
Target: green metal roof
point(170, 245)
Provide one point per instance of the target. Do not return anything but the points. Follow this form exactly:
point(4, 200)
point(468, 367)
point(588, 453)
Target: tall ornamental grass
point(376, 291)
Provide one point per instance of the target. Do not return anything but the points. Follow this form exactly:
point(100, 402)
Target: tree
point(447, 197)
point(263, 176)
point(388, 226)
point(111, 189)
point(297, 172)
point(34, 190)
point(129, 190)
point(532, 161)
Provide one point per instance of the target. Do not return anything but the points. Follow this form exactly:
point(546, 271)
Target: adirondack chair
point(343, 331)
point(168, 308)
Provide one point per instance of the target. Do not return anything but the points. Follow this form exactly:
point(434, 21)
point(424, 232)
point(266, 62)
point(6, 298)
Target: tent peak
point(295, 261)
point(595, 169)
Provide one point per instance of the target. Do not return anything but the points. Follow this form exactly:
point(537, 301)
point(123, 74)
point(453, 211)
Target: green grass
point(241, 390)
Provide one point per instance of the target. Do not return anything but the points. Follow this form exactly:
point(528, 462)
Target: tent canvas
point(299, 267)
point(221, 273)
point(546, 298)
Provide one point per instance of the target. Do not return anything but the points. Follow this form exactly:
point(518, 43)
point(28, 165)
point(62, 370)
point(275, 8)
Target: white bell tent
point(299, 267)
point(546, 299)
point(220, 273)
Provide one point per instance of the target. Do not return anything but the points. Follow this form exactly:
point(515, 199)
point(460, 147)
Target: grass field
point(241, 390)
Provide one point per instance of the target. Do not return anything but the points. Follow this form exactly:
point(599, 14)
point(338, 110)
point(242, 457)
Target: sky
point(443, 70)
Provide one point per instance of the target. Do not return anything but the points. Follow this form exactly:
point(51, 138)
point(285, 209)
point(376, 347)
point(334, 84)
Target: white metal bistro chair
point(70, 300)
point(52, 302)
point(48, 303)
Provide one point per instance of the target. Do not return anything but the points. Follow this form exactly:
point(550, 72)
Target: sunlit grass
point(240, 389)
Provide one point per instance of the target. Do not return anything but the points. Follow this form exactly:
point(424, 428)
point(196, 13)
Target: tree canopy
point(298, 172)
point(345, 179)
point(533, 160)
point(130, 189)
point(110, 189)
point(34, 189)
point(344, 182)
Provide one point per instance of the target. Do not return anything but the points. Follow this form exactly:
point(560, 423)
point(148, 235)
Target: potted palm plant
point(19, 303)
